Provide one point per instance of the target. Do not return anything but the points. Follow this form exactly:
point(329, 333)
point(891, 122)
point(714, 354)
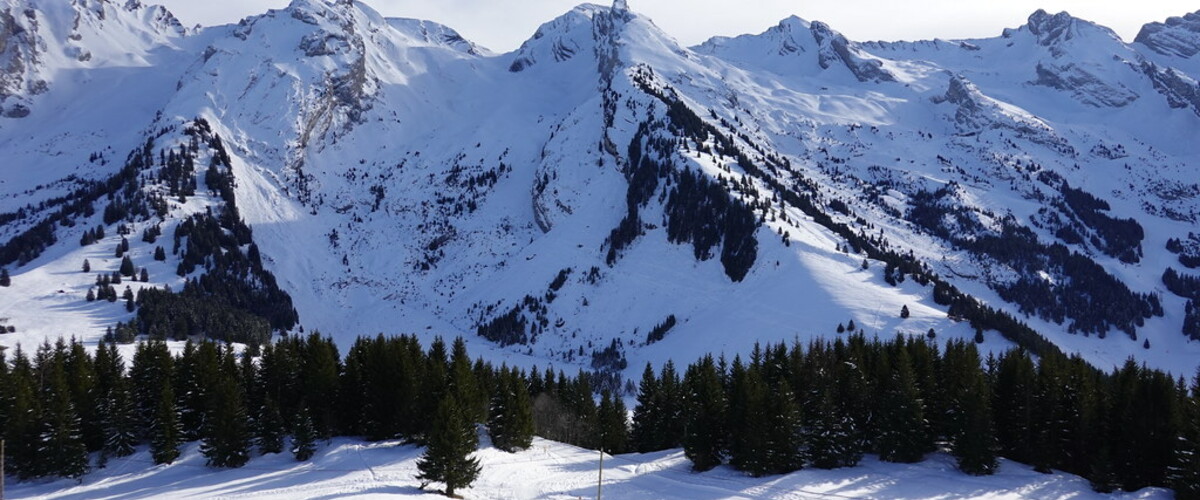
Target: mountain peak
point(1178, 36)
point(1052, 28)
point(588, 28)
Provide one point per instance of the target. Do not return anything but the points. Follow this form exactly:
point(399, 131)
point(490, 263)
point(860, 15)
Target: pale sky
point(501, 25)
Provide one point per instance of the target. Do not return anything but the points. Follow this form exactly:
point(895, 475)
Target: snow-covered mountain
point(604, 196)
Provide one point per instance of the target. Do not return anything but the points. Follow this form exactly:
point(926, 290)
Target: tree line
point(65, 410)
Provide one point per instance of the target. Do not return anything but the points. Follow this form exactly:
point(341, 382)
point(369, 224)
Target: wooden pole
point(599, 480)
point(1, 469)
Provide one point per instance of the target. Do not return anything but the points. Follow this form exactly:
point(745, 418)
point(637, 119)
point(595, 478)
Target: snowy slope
point(351, 469)
point(399, 178)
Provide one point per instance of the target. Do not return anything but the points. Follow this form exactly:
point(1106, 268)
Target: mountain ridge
point(545, 201)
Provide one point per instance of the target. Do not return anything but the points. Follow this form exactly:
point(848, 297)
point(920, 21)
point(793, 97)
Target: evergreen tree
point(318, 380)
point(159, 254)
point(144, 276)
point(62, 447)
point(968, 422)
point(447, 456)
point(127, 268)
point(120, 427)
point(226, 432)
point(646, 414)
point(904, 312)
point(830, 435)
point(1184, 474)
point(23, 426)
point(613, 424)
point(704, 440)
point(5, 279)
point(165, 435)
point(114, 403)
point(510, 422)
point(304, 436)
point(462, 383)
point(1013, 401)
point(269, 425)
point(87, 266)
point(91, 295)
point(748, 447)
point(784, 445)
point(900, 415)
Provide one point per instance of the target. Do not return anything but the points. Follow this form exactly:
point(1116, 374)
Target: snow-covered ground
point(549, 470)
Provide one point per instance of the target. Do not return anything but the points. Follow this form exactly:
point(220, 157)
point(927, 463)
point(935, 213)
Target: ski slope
point(549, 470)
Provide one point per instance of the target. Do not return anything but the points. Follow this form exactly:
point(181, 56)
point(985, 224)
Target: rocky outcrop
point(1180, 90)
point(1178, 36)
point(1083, 85)
point(835, 49)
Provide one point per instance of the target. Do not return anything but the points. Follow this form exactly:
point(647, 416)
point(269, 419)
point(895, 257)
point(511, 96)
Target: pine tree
point(901, 419)
point(510, 423)
point(269, 425)
point(87, 266)
point(748, 447)
point(463, 385)
point(165, 435)
point(784, 444)
point(613, 424)
point(91, 295)
point(644, 435)
point(226, 441)
point(62, 446)
point(830, 436)
point(5, 280)
point(144, 276)
point(127, 268)
point(968, 422)
point(304, 436)
point(447, 456)
point(1013, 400)
point(22, 428)
point(160, 254)
point(114, 404)
point(704, 440)
point(1184, 473)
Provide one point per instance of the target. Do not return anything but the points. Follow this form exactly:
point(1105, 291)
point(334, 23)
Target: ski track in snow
point(346, 468)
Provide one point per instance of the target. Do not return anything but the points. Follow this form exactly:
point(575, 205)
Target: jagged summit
point(1053, 28)
point(38, 39)
point(591, 29)
point(1059, 31)
point(1178, 36)
point(795, 38)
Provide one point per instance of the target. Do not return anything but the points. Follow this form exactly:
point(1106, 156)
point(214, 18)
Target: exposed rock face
point(1180, 90)
point(1178, 36)
point(1083, 85)
point(34, 38)
point(836, 49)
point(977, 112)
point(19, 56)
point(435, 33)
point(1052, 30)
